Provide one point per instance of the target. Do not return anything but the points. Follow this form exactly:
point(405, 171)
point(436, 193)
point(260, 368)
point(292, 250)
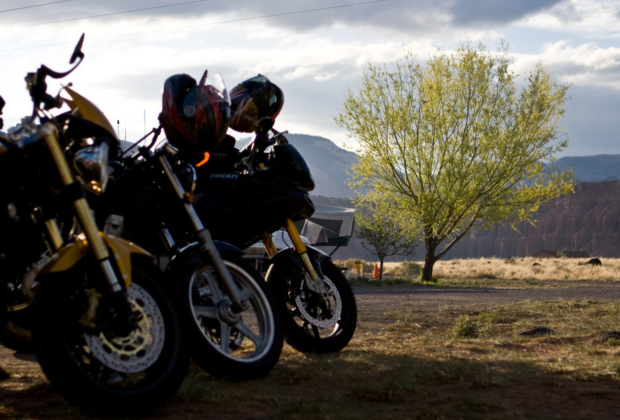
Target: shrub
point(613, 342)
point(464, 327)
point(410, 269)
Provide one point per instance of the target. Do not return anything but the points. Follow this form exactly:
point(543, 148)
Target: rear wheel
point(97, 370)
point(236, 346)
point(309, 325)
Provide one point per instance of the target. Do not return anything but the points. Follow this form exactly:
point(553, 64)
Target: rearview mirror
point(77, 52)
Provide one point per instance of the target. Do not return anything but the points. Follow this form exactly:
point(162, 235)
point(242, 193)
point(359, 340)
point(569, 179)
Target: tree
point(381, 230)
point(454, 144)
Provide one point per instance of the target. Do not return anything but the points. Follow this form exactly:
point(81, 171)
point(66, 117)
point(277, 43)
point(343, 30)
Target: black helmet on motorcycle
point(195, 116)
point(251, 101)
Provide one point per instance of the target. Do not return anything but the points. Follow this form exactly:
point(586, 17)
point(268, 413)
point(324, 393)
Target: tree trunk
point(380, 269)
point(429, 262)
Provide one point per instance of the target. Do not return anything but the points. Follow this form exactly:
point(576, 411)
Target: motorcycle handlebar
point(36, 81)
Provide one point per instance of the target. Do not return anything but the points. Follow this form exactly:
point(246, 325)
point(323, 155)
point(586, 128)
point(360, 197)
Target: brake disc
point(336, 308)
point(142, 347)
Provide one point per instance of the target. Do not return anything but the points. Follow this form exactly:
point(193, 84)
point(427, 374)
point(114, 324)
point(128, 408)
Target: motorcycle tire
point(101, 373)
point(234, 347)
point(307, 327)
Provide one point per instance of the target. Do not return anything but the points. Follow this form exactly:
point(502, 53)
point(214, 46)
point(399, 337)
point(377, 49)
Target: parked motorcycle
point(244, 196)
point(224, 303)
point(108, 337)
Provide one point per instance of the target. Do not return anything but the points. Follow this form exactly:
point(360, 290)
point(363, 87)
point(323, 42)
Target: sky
point(313, 50)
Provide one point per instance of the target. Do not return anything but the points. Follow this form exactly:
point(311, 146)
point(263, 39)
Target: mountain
point(591, 168)
point(588, 220)
point(328, 162)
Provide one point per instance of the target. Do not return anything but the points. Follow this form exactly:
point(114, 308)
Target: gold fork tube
point(81, 205)
point(269, 245)
point(300, 247)
point(54, 233)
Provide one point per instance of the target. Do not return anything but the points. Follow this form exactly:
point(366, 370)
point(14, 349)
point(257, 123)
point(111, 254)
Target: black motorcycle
point(244, 197)
point(224, 303)
point(108, 338)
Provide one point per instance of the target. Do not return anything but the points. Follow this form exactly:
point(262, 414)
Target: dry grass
point(409, 364)
point(524, 268)
point(518, 269)
point(419, 365)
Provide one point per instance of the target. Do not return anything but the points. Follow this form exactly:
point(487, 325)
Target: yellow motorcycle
point(108, 339)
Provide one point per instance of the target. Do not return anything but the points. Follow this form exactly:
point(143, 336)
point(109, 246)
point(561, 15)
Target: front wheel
point(236, 346)
point(95, 369)
point(309, 325)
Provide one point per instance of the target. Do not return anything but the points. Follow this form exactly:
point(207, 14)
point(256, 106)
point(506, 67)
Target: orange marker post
point(376, 274)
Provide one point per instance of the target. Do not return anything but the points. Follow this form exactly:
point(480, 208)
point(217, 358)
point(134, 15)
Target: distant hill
point(591, 168)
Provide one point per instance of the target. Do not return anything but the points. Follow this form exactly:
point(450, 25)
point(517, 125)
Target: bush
point(410, 269)
point(464, 327)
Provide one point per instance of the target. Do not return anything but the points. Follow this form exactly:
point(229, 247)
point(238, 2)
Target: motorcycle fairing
point(88, 110)
point(75, 251)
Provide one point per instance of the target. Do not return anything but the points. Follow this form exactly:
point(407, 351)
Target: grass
point(459, 283)
point(457, 363)
point(460, 362)
point(496, 271)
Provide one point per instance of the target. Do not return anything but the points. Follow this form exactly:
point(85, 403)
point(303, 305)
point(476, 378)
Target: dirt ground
point(385, 299)
point(31, 396)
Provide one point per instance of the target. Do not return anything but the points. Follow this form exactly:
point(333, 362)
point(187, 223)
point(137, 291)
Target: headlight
point(187, 176)
point(91, 164)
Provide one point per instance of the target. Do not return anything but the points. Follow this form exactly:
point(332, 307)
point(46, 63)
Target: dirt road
point(384, 299)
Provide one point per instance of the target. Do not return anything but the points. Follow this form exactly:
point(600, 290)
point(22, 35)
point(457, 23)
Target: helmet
point(195, 117)
point(253, 100)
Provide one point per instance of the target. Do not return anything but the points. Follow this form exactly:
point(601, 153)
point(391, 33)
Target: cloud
point(591, 121)
point(468, 12)
point(586, 64)
point(413, 17)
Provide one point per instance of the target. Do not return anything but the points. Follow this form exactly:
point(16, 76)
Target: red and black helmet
point(195, 116)
point(251, 101)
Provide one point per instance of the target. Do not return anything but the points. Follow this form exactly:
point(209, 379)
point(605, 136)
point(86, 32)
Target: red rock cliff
point(588, 220)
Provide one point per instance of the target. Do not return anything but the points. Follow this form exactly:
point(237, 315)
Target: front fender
point(289, 254)
point(75, 251)
point(193, 256)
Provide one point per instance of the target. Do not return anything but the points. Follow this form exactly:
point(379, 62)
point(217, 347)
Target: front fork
point(204, 236)
point(89, 226)
point(82, 210)
point(314, 283)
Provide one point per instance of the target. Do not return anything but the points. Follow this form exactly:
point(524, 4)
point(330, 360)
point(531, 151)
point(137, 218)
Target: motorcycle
point(259, 190)
point(224, 303)
point(108, 338)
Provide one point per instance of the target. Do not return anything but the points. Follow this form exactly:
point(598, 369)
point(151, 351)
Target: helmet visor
point(217, 82)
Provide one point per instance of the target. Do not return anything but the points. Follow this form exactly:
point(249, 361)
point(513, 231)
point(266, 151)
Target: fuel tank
point(237, 208)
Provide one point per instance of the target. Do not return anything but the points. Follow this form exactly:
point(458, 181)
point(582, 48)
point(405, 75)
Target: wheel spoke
point(215, 289)
point(225, 330)
point(206, 311)
point(246, 331)
point(244, 293)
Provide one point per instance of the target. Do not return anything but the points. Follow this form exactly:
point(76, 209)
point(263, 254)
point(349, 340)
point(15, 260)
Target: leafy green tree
point(453, 142)
point(382, 231)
